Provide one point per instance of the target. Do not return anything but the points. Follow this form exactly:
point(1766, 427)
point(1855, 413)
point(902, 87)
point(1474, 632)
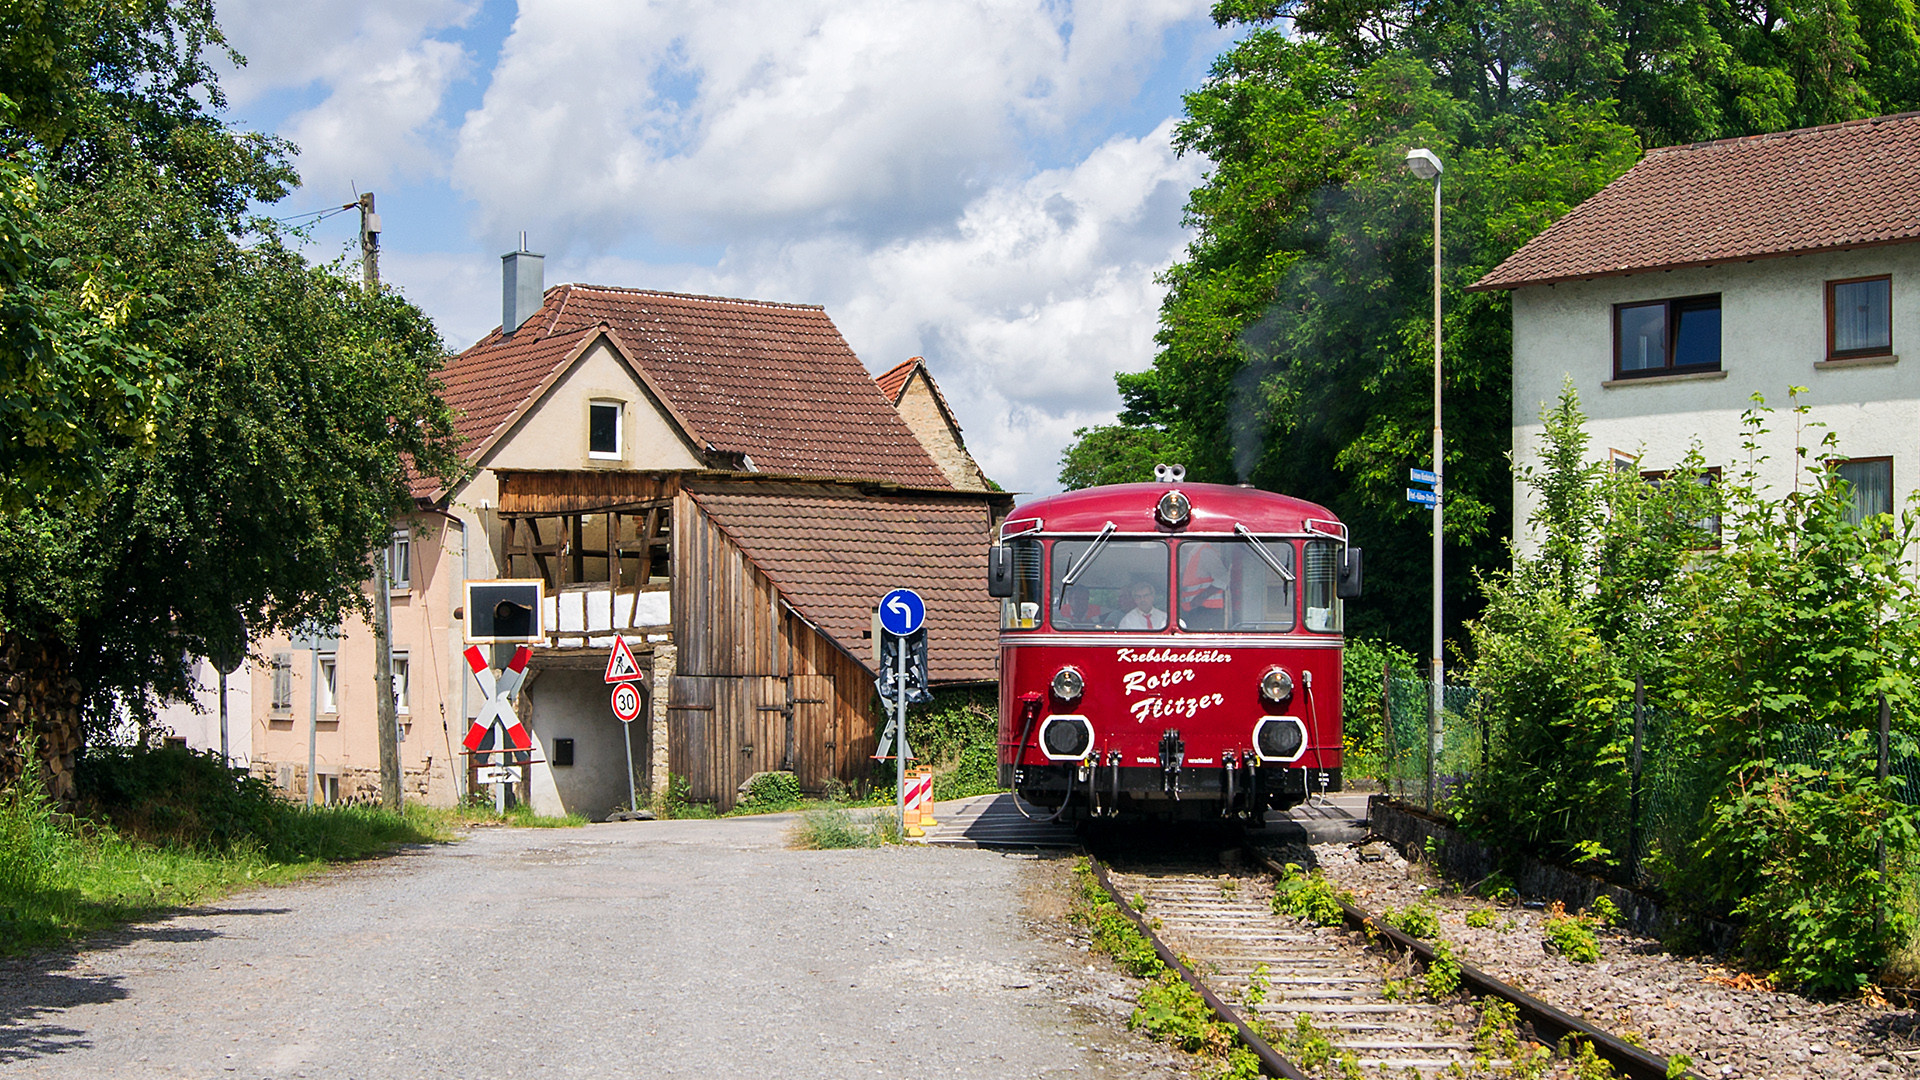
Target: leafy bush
point(1443, 973)
point(1481, 918)
point(1605, 910)
point(769, 792)
point(1414, 920)
point(679, 801)
point(1307, 896)
point(1362, 707)
point(1572, 936)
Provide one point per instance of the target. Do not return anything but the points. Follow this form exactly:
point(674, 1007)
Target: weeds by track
point(1345, 998)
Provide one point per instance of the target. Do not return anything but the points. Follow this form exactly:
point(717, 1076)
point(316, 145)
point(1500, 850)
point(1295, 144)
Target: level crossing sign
point(499, 700)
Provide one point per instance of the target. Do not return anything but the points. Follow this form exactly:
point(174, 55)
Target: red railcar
point(1171, 649)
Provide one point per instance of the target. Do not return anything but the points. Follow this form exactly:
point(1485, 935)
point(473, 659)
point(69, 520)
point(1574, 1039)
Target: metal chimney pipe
point(522, 285)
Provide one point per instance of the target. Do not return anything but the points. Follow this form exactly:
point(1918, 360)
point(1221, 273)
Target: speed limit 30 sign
point(626, 703)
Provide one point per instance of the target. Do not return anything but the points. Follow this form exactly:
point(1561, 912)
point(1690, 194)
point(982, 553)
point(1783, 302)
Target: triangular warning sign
point(621, 666)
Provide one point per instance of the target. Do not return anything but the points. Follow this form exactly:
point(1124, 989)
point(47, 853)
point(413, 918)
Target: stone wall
point(1425, 837)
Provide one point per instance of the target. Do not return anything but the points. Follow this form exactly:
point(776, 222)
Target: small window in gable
point(603, 429)
point(1859, 317)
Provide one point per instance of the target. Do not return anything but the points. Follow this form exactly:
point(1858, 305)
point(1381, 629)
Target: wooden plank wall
point(756, 687)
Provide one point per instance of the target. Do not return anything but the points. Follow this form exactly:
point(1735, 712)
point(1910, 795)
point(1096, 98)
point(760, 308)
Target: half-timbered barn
point(719, 482)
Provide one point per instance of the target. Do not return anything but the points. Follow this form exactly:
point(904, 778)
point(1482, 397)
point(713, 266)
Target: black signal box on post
point(505, 611)
point(916, 684)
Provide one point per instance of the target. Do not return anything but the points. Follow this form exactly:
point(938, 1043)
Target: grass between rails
point(166, 829)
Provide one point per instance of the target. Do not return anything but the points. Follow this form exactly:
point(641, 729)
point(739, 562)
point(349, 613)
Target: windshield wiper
point(1084, 561)
point(1260, 549)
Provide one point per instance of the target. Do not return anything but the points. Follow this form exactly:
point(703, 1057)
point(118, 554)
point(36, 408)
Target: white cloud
point(703, 123)
point(380, 77)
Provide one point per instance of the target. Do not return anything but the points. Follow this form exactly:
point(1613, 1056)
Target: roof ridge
point(1789, 133)
point(692, 296)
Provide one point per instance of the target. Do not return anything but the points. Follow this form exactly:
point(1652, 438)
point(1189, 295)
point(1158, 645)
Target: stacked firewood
point(39, 710)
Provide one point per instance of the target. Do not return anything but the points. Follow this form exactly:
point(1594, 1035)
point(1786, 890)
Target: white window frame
point(400, 560)
point(402, 683)
point(281, 697)
point(618, 453)
point(329, 684)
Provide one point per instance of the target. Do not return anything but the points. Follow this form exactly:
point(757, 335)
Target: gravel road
point(656, 949)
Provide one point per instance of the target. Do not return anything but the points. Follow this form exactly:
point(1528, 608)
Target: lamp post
point(1426, 166)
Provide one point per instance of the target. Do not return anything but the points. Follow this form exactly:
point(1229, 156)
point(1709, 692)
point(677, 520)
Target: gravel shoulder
point(1731, 1027)
point(665, 949)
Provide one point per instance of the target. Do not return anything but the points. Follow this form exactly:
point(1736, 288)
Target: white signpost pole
point(313, 717)
point(900, 733)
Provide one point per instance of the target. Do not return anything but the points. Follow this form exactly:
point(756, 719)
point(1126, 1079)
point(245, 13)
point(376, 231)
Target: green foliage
point(1112, 932)
point(1562, 632)
point(1604, 909)
point(831, 827)
point(1173, 1012)
point(1308, 896)
point(679, 802)
point(1482, 918)
point(957, 734)
point(1572, 936)
point(1258, 983)
point(769, 792)
point(244, 425)
point(1118, 454)
point(63, 876)
point(1499, 887)
point(1443, 973)
point(1363, 666)
point(1414, 920)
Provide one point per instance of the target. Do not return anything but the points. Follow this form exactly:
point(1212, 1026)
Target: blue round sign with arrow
point(901, 612)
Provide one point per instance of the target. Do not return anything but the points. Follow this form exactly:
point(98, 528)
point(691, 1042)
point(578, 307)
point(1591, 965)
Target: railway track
point(1262, 972)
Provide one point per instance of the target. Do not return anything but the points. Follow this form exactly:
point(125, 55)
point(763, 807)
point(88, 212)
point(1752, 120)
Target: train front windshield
point(1236, 585)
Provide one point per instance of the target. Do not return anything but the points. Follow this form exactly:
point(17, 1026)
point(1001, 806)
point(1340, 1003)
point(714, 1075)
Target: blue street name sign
point(901, 612)
point(1426, 498)
point(1422, 476)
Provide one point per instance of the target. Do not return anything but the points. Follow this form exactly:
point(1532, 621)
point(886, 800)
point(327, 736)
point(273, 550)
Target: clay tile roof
point(1855, 184)
point(833, 554)
point(893, 381)
point(775, 382)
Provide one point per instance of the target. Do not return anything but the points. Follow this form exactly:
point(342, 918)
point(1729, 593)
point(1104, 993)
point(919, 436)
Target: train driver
point(1203, 587)
point(1144, 615)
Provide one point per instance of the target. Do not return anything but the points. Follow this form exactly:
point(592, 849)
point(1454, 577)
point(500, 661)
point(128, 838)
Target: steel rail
point(1548, 1021)
point(1271, 1063)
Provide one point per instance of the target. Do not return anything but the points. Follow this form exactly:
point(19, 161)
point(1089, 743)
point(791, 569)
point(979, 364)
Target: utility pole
point(385, 715)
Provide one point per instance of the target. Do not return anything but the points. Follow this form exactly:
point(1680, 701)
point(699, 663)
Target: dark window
point(1859, 317)
point(603, 429)
point(1709, 525)
point(563, 752)
point(282, 682)
point(1665, 337)
point(1870, 483)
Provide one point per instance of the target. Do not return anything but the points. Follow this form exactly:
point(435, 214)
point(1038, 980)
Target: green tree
point(1118, 454)
point(1295, 338)
point(289, 407)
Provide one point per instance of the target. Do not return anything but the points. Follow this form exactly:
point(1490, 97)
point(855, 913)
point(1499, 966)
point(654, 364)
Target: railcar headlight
point(1066, 738)
point(1276, 686)
point(1068, 684)
point(1279, 738)
point(1173, 510)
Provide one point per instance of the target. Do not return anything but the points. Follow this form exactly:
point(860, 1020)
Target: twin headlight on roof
point(1276, 739)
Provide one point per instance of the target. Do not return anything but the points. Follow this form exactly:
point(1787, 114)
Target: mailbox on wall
point(505, 610)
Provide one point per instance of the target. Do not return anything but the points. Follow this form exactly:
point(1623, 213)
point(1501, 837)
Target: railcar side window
point(1122, 586)
point(1323, 574)
point(1021, 611)
point(1226, 585)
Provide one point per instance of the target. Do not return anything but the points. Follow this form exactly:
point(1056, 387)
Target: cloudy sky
point(988, 184)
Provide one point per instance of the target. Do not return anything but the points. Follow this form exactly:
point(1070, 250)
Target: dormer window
point(603, 430)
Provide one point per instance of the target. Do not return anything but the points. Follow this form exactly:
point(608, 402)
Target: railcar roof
point(1216, 507)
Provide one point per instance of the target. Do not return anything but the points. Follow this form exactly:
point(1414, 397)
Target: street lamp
point(1423, 164)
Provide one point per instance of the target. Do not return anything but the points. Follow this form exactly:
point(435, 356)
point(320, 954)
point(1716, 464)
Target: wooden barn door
point(763, 738)
point(818, 747)
point(696, 743)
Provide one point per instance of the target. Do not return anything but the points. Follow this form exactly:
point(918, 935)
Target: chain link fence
point(1660, 811)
